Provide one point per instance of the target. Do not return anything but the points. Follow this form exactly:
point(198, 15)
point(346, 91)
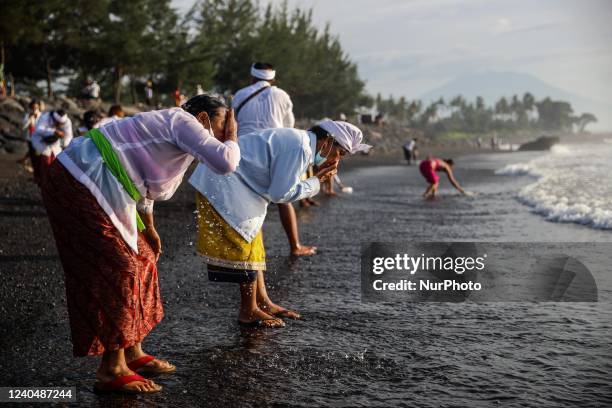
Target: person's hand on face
point(204, 119)
point(327, 170)
point(231, 126)
point(219, 126)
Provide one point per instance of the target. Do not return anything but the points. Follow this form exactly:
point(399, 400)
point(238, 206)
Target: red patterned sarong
point(41, 165)
point(112, 292)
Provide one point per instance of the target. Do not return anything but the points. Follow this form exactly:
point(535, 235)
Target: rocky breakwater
point(13, 110)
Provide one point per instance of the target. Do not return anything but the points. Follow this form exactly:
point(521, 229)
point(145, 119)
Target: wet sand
point(344, 353)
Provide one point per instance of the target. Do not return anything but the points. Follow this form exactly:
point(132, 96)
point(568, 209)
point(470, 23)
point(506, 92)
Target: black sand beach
point(344, 353)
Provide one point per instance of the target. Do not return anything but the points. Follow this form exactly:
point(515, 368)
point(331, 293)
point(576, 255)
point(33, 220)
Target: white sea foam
point(519, 169)
point(573, 184)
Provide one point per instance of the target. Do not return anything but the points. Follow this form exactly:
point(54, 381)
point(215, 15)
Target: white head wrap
point(347, 135)
point(266, 74)
point(60, 119)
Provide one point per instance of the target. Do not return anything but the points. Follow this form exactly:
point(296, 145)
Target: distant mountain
point(492, 85)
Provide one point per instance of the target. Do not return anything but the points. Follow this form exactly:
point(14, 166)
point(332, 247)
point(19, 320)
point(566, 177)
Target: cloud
point(412, 44)
point(503, 25)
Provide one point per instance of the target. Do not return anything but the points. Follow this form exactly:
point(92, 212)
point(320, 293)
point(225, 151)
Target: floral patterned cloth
point(112, 292)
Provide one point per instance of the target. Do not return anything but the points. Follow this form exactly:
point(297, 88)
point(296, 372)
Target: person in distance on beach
point(29, 126)
point(115, 112)
point(232, 209)
point(99, 198)
point(429, 169)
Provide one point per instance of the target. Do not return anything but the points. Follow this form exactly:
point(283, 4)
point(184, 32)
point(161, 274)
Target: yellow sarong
point(220, 245)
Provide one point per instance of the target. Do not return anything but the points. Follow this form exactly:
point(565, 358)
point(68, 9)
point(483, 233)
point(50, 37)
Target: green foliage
point(214, 45)
point(460, 116)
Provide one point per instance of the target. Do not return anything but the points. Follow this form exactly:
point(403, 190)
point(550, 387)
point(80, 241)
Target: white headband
point(266, 74)
point(60, 119)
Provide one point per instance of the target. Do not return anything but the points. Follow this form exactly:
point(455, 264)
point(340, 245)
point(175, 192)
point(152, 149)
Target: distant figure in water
point(429, 168)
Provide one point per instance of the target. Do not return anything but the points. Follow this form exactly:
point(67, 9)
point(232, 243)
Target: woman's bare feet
point(259, 318)
point(302, 250)
point(277, 311)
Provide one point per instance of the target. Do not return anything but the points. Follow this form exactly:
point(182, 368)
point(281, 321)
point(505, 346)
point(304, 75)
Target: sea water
point(345, 352)
point(571, 183)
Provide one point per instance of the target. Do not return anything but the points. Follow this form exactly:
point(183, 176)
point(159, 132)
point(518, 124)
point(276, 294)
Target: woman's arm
point(454, 182)
point(145, 210)
point(222, 156)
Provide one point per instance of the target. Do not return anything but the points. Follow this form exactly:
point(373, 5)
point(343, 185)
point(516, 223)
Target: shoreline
point(199, 334)
point(9, 169)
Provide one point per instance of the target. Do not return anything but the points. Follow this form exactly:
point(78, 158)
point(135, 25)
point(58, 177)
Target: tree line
point(122, 44)
point(459, 115)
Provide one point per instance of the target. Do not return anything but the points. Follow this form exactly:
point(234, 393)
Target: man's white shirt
point(271, 108)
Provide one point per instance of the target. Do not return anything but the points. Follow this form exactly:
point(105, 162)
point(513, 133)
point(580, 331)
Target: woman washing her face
point(232, 208)
point(99, 199)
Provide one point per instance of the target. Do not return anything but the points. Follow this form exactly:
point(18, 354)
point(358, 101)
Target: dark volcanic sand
point(345, 353)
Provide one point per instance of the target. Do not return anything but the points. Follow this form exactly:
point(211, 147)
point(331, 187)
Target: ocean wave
point(520, 169)
point(557, 206)
point(572, 185)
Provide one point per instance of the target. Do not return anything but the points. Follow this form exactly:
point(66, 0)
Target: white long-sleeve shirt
point(271, 108)
point(155, 149)
point(271, 166)
point(46, 126)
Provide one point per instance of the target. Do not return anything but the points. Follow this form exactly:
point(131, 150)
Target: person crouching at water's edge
point(232, 209)
point(429, 168)
point(99, 199)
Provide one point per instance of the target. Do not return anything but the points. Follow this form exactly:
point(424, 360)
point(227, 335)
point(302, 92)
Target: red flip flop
point(140, 365)
point(117, 384)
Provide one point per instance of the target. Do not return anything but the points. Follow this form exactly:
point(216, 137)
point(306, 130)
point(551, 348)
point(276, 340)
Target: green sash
point(114, 165)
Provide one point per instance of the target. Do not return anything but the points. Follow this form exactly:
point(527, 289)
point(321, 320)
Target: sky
point(409, 47)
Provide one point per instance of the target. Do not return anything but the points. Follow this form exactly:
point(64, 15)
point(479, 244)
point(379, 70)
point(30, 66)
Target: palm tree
point(528, 104)
point(502, 108)
point(583, 120)
point(480, 104)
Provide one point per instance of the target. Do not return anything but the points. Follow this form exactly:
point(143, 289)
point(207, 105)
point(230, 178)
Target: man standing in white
point(260, 106)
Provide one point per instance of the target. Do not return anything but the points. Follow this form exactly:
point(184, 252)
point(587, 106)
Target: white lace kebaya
point(155, 148)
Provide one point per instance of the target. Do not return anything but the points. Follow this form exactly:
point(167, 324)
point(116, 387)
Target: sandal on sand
point(287, 314)
point(117, 385)
point(260, 323)
point(140, 365)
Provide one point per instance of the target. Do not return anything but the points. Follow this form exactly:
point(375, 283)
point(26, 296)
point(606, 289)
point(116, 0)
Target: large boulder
point(11, 104)
point(541, 143)
point(11, 117)
point(69, 105)
point(11, 111)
